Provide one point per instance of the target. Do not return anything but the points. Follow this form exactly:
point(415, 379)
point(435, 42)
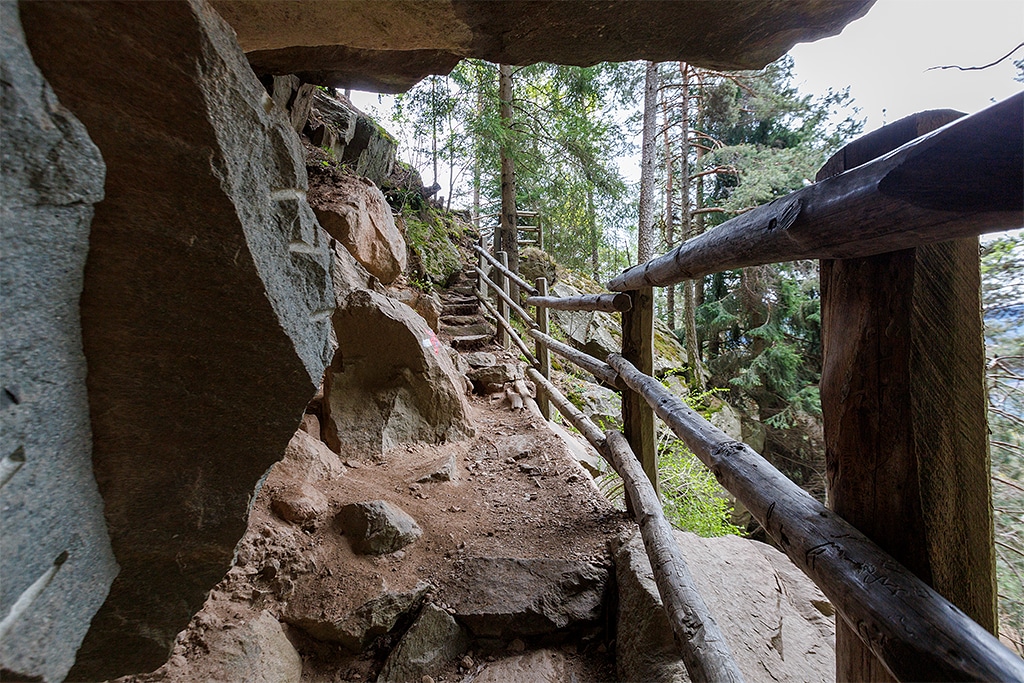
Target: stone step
point(460, 320)
point(460, 309)
point(480, 327)
point(471, 341)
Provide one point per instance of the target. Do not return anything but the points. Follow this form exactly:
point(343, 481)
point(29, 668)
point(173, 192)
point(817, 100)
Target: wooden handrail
point(519, 310)
point(508, 273)
point(706, 655)
point(962, 180)
point(609, 303)
point(704, 651)
point(510, 332)
point(915, 632)
point(594, 366)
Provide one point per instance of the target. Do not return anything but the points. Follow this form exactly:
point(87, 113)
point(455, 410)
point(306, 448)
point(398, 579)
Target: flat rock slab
point(356, 629)
point(471, 341)
point(503, 597)
point(480, 359)
point(773, 618)
point(377, 527)
point(540, 666)
point(434, 639)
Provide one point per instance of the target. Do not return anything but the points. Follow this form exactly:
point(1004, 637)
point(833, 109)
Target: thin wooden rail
point(597, 368)
point(526, 286)
point(516, 339)
point(706, 655)
point(576, 418)
point(962, 180)
point(609, 303)
point(519, 310)
point(916, 633)
point(704, 651)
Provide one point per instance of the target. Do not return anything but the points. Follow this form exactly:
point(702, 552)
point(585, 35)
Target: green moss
point(435, 256)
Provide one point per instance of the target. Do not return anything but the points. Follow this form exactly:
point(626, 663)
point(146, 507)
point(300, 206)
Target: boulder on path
point(507, 597)
point(377, 527)
point(307, 458)
point(427, 305)
point(206, 300)
point(354, 212)
point(498, 374)
point(480, 359)
point(52, 174)
point(391, 381)
point(539, 666)
point(299, 503)
point(773, 618)
point(433, 640)
point(255, 651)
point(357, 628)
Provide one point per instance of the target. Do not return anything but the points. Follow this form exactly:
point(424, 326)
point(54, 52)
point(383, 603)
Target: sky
point(885, 57)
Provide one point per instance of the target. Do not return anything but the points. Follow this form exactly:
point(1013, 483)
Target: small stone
point(517, 645)
point(427, 679)
point(466, 662)
point(376, 527)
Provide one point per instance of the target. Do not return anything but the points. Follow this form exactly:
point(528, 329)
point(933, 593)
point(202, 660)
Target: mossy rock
point(432, 253)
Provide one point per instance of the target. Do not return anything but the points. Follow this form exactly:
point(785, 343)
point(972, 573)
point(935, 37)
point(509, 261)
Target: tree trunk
point(645, 227)
point(508, 234)
point(476, 149)
point(670, 234)
point(595, 263)
point(433, 124)
point(686, 222)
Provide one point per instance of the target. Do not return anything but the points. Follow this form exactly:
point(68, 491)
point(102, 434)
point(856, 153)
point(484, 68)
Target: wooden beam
point(916, 632)
point(904, 400)
point(705, 653)
point(506, 299)
point(501, 289)
point(571, 413)
point(609, 303)
point(510, 333)
point(543, 355)
point(505, 270)
point(638, 349)
point(597, 368)
point(963, 180)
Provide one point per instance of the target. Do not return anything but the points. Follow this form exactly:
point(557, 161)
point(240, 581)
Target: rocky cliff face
point(207, 292)
point(55, 541)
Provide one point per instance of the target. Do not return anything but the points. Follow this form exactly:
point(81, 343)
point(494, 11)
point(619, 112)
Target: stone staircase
point(461, 318)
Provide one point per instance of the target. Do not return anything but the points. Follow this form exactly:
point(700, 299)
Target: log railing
point(914, 632)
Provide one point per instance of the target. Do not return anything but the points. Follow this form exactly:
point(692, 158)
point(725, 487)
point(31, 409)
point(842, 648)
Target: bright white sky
point(884, 57)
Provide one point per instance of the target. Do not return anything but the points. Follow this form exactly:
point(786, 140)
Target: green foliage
point(692, 498)
point(1002, 262)
point(435, 257)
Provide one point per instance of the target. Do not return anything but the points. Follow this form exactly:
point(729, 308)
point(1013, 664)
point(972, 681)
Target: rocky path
point(504, 574)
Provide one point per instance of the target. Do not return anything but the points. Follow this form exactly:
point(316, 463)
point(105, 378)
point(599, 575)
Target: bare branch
point(977, 68)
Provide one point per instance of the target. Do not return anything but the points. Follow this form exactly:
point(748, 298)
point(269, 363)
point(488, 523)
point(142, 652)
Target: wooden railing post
point(501, 280)
point(481, 288)
point(542, 351)
point(638, 349)
point(904, 402)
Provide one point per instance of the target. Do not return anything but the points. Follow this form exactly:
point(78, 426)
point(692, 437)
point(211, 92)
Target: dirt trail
point(516, 492)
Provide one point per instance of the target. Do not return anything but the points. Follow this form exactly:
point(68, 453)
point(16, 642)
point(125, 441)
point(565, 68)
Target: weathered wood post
point(543, 356)
point(638, 349)
point(904, 402)
point(502, 281)
point(481, 287)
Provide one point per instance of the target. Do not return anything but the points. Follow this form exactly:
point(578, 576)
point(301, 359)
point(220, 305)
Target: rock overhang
point(390, 46)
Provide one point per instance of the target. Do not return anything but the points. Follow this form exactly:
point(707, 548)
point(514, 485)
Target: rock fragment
point(377, 527)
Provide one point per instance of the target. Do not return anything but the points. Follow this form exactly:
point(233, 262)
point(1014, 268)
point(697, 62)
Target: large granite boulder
point(53, 527)
point(352, 137)
point(206, 303)
point(354, 212)
point(773, 618)
point(387, 47)
point(391, 381)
